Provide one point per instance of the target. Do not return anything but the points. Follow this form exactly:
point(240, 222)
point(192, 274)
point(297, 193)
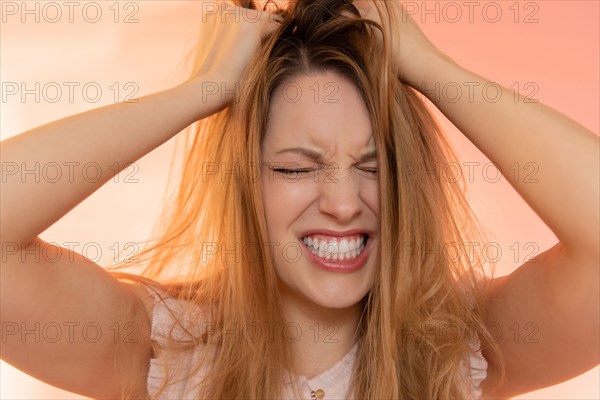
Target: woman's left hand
point(411, 49)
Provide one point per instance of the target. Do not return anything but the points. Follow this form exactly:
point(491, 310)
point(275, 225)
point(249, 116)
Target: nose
point(339, 195)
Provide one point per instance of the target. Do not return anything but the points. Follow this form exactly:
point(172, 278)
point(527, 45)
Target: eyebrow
point(316, 156)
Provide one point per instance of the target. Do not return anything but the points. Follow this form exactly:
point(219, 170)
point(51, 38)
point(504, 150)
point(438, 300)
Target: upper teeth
point(335, 248)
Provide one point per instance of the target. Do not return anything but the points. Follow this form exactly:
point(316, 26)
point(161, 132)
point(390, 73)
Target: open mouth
point(331, 248)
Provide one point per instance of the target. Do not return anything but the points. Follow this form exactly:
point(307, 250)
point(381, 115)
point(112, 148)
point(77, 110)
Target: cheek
point(284, 201)
point(370, 195)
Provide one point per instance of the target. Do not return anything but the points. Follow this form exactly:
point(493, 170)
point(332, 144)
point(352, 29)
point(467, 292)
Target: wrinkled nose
point(339, 195)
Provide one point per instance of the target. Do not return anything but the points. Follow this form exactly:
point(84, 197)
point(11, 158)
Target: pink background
point(558, 53)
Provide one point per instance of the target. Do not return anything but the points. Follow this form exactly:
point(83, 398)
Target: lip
point(340, 265)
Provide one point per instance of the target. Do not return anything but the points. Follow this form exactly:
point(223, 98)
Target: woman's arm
point(559, 292)
point(39, 289)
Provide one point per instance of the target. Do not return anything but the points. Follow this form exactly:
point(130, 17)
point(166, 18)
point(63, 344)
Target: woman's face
point(321, 114)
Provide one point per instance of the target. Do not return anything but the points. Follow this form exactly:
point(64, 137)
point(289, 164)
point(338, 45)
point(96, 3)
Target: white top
point(335, 381)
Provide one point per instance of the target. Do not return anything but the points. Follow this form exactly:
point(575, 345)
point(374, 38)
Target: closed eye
point(372, 171)
point(295, 173)
point(291, 172)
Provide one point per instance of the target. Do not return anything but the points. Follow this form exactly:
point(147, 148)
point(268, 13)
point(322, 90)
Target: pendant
point(317, 394)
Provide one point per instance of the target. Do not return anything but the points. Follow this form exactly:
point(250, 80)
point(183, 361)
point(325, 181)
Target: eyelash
point(289, 172)
point(372, 171)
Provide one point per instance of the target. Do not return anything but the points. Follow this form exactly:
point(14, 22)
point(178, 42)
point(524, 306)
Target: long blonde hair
point(427, 278)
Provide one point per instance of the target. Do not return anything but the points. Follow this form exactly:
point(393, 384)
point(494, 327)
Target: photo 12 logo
point(491, 12)
point(71, 92)
point(53, 12)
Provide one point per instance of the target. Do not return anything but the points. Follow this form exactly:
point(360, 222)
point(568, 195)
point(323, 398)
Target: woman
point(228, 258)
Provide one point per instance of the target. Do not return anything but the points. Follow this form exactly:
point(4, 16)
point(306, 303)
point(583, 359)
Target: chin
point(338, 301)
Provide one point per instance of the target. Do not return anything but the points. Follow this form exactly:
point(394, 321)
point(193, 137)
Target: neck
point(319, 337)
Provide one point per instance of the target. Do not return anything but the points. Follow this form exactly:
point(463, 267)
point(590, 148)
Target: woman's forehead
point(318, 111)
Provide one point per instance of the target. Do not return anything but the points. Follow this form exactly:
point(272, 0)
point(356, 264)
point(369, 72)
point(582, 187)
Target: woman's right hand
point(229, 36)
